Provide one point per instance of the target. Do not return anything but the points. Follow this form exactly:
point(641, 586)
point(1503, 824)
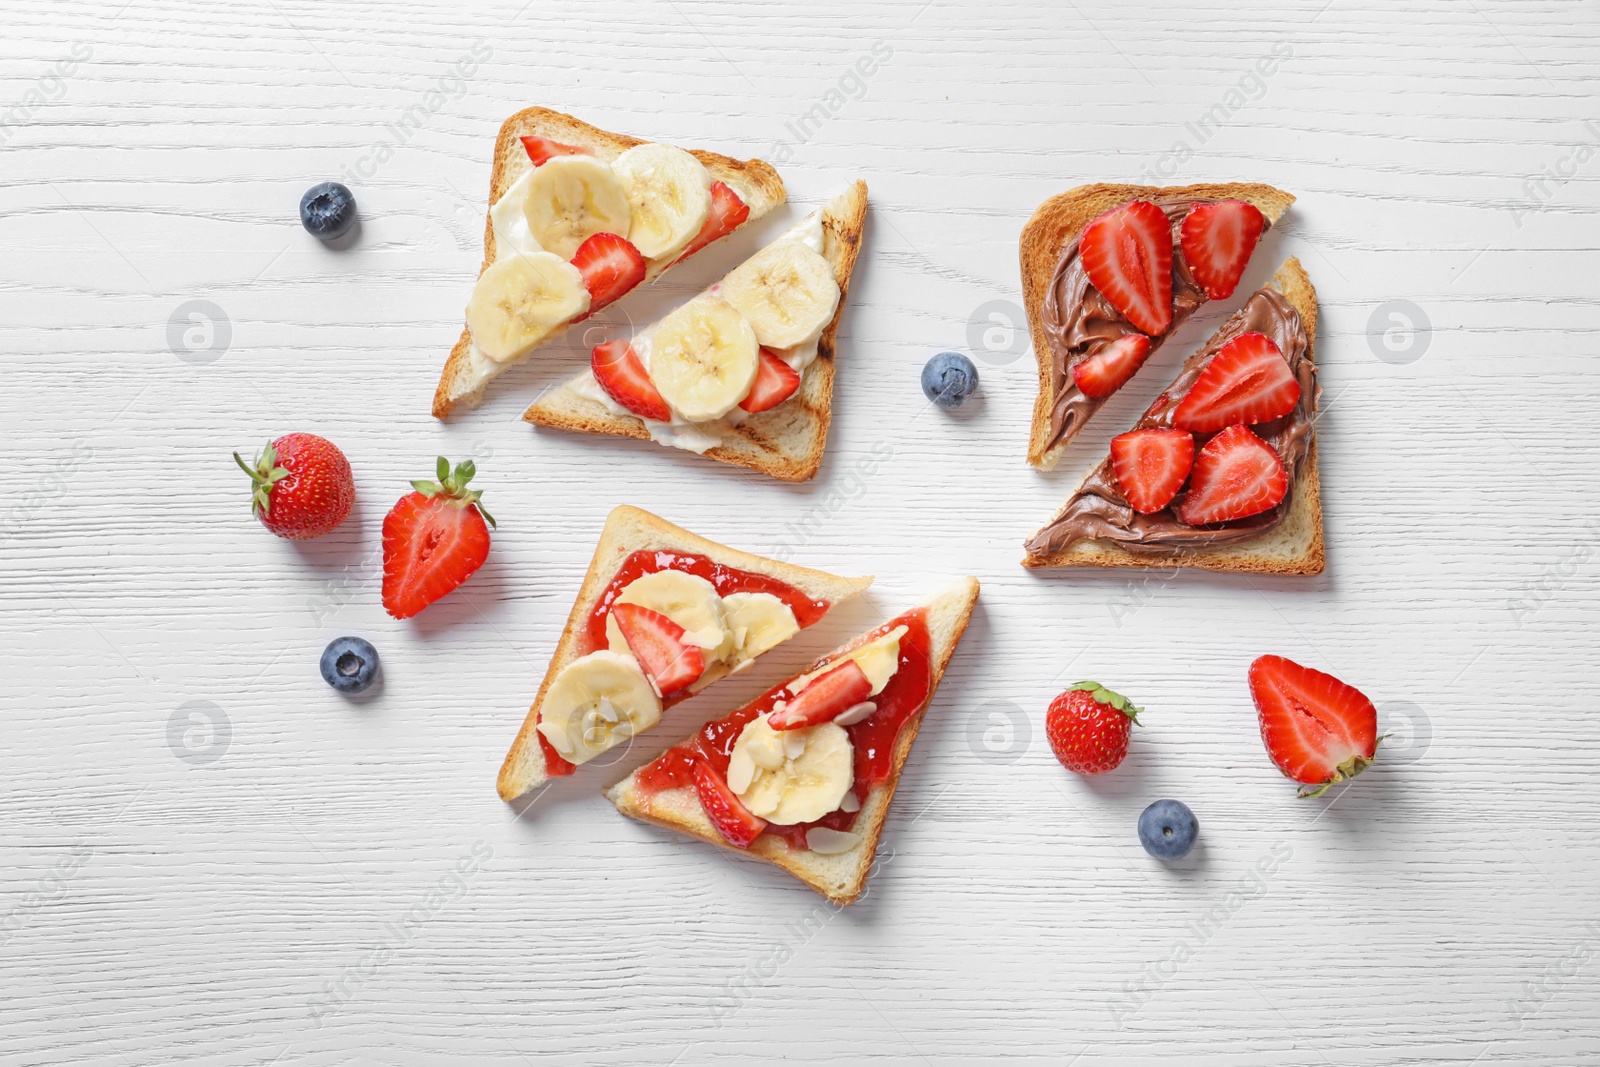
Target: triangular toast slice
point(838, 868)
point(1050, 239)
point(786, 441)
point(467, 371)
point(1291, 539)
point(634, 544)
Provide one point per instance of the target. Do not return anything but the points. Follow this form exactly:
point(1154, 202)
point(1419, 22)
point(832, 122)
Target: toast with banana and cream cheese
point(578, 217)
point(743, 373)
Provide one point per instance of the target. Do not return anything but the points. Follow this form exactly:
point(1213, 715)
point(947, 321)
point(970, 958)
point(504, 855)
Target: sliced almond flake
point(794, 744)
point(826, 842)
point(849, 803)
point(851, 716)
point(703, 638)
point(741, 769)
point(557, 737)
point(608, 710)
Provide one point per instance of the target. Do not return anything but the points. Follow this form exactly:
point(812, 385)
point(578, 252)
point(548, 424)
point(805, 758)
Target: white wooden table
point(209, 857)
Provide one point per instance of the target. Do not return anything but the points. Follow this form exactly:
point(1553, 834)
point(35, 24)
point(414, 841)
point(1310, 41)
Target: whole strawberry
point(1088, 728)
point(301, 486)
point(433, 540)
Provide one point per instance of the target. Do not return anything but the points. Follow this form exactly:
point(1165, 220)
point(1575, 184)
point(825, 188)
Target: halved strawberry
point(1110, 368)
point(433, 540)
point(1127, 253)
point(625, 380)
point(726, 811)
point(1151, 466)
point(1236, 475)
point(657, 642)
point(610, 266)
point(1247, 382)
point(828, 696)
point(1217, 240)
point(542, 149)
point(775, 382)
point(1317, 729)
point(728, 213)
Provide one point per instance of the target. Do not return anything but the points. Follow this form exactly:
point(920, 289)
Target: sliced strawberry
point(1247, 382)
point(1110, 368)
point(1217, 240)
point(725, 810)
point(1317, 729)
point(618, 370)
point(1236, 475)
point(1127, 253)
point(657, 642)
point(433, 540)
point(610, 266)
point(775, 382)
point(728, 213)
point(1151, 466)
point(828, 696)
point(542, 149)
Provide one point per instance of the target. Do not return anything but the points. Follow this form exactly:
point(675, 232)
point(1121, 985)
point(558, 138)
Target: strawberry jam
point(724, 579)
point(873, 738)
point(555, 764)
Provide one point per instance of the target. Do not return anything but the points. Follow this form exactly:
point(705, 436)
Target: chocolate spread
point(1098, 511)
point(1080, 322)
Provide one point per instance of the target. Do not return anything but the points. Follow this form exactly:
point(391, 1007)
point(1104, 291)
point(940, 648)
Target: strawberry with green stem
point(301, 486)
point(1088, 728)
point(1317, 729)
point(434, 539)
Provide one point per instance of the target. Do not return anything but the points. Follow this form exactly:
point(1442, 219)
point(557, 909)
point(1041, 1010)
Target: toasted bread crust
point(461, 384)
point(1293, 547)
point(1057, 223)
point(627, 530)
point(786, 442)
point(841, 877)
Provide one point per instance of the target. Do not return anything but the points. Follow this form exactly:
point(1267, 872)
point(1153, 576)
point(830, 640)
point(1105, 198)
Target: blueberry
point(1167, 829)
point(327, 210)
point(949, 378)
point(349, 664)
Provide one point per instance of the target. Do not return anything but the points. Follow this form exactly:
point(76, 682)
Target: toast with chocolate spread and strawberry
point(1109, 272)
point(1221, 471)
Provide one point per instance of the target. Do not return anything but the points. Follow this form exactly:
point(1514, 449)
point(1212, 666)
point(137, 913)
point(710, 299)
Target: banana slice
point(669, 195)
point(688, 600)
point(791, 776)
point(758, 622)
point(520, 299)
point(878, 660)
point(570, 199)
point(786, 290)
point(597, 702)
point(703, 358)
